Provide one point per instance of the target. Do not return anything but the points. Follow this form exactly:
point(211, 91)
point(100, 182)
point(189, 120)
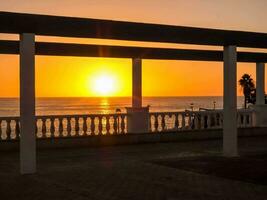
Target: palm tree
point(247, 85)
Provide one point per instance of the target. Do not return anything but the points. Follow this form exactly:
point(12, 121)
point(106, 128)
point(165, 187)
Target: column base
point(137, 119)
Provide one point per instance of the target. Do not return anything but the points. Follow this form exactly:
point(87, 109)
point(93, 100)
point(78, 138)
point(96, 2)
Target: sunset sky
point(74, 76)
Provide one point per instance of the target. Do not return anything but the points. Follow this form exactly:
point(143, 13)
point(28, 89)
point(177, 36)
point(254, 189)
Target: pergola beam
point(86, 50)
point(107, 29)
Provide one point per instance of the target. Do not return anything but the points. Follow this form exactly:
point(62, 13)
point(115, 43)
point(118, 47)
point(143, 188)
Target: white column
point(260, 82)
point(138, 116)
point(229, 102)
point(27, 104)
point(137, 83)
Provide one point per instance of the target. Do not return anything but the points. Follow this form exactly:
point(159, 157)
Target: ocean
point(105, 105)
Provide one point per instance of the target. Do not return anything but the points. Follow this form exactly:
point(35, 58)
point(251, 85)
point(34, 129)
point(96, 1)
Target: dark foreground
point(188, 170)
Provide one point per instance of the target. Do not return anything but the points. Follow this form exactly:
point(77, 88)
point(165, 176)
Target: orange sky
point(73, 76)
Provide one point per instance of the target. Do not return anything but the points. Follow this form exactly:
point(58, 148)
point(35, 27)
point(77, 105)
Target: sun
point(104, 85)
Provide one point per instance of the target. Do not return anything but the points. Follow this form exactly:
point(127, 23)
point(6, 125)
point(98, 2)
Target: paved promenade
point(127, 172)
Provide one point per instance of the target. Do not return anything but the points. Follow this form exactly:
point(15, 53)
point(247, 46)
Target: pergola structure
point(29, 25)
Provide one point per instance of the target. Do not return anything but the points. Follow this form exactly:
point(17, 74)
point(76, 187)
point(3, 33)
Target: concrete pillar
point(27, 104)
point(260, 109)
point(260, 82)
point(230, 102)
point(136, 83)
point(138, 116)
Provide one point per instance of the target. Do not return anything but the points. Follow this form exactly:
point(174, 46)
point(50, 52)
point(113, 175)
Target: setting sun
point(104, 85)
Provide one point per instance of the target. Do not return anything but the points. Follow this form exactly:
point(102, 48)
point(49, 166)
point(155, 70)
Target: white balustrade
point(194, 120)
point(57, 126)
point(67, 126)
point(9, 128)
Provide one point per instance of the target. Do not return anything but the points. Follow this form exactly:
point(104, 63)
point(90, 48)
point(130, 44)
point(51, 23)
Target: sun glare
point(104, 85)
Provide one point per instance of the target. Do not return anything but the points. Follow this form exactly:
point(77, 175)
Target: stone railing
point(67, 126)
point(111, 124)
point(194, 120)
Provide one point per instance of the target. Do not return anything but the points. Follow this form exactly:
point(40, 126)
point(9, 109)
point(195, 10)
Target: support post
point(260, 109)
point(138, 116)
point(27, 104)
point(137, 83)
point(229, 102)
point(260, 82)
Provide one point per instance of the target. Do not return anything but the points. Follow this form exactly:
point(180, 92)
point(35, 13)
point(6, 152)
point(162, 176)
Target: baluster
point(163, 123)
point(150, 123)
point(17, 129)
point(221, 120)
point(119, 124)
point(210, 118)
point(84, 126)
point(217, 120)
point(247, 120)
point(183, 121)
point(172, 122)
point(176, 122)
point(156, 124)
point(169, 124)
point(214, 120)
point(242, 120)
point(160, 123)
point(189, 121)
point(115, 125)
point(195, 122)
point(92, 126)
point(68, 126)
point(108, 125)
point(77, 126)
point(123, 124)
point(60, 127)
point(8, 129)
point(202, 121)
point(44, 128)
point(209, 121)
point(100, 125)
point(52, 127)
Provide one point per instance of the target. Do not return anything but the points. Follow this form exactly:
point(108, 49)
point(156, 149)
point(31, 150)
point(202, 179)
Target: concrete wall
point(108, 140)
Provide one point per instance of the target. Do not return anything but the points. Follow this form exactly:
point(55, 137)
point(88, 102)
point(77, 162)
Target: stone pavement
point(125, 172)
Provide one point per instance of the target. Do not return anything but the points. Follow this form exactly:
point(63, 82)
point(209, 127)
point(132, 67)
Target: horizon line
point(116, 96)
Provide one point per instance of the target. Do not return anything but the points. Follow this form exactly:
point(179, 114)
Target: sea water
point(105, 105)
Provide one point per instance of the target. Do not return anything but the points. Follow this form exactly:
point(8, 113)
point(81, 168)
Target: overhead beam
point(85, 50)
point(107, 29)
